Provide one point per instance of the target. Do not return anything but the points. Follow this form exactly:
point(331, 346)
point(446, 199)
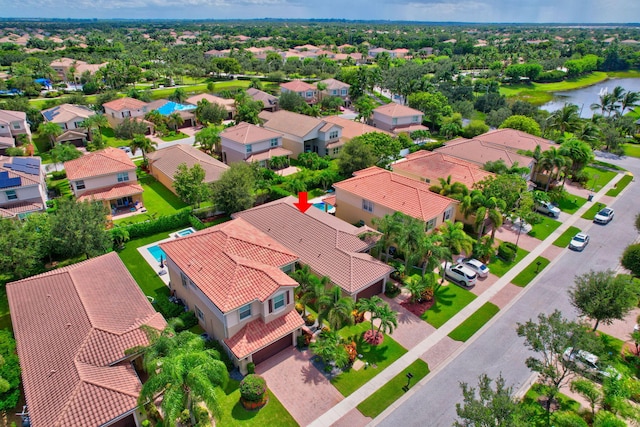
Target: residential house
point(269, 102)
point(234, 277)
point(307, 48)
point(167, 108)
point(430, 167)
point(228, 104)
point(64, 66)
point(12, 125)
point(70, 117)
point(126, 108)
point(107, 175)
point(163, 164)
point(23, 186)
point(375, 192)
point(213, 53)
point(73, 327)
point(305, 90)
point(304, 134)
point(515, 140)
point(397, 118)
point(250, 143)
point(328, 245)
point(351, 128)
point(336, 88)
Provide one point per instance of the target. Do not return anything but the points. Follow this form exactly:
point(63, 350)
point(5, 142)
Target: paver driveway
point(299, 386)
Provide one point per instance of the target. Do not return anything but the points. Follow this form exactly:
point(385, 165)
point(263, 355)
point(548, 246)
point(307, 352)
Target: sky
point(525, 11)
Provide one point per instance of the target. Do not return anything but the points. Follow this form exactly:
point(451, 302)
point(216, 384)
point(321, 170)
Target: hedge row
point(162, 224)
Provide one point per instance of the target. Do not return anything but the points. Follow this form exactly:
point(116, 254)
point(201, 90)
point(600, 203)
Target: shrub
point(276, 192)
point(580, 177)
point(253, 388)
point(506, 252)
point(188, 320)
point(59, 175)
point(310, 319)
point(301, 342)
point(164, 223)
point(224, 356)
point(392, 290)
point(251, 368)
point(166, 307)
point(299, 308)
point(631, 259)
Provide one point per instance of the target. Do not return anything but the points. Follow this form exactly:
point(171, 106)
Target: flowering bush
point(253, 388)
point(373, 337)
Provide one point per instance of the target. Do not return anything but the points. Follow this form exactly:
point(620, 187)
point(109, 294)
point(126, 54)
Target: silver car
point(579, 242)
point(548, 209)
point(478, 266)
point(604, 216)
point(460, 274)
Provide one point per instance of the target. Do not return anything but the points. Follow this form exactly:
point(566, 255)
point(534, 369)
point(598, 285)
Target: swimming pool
point(321, 205)
point(156, 252)
point(185, 232)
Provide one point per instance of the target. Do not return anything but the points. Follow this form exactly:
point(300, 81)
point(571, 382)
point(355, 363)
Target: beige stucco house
point(23, 187)
point(13, 124)
point(305, 90)
point(228, 104)
point(250, 143)
point(124, 108)
point(396, 118)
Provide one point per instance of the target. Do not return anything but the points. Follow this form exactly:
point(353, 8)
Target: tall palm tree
point(144, 144)
point(454, 237)
point(336, 308)
point(410, 238)
point(488, 208)
point(431, 251)
point(185, 372)
point(372, 305)
point(605, 101)
point(50, 130)
point(629, 101)
point(566, 119)
point(175, 120)
point(97, 121)
point(316, 290)
point(388, 226)
point(579, 152)
point(553, 161)
point(388, 319)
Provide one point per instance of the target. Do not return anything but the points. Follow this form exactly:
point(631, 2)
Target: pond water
point(586, 96)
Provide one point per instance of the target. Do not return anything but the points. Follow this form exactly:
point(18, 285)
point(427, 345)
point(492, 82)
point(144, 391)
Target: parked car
point(604, 216)
point(473, 264)
point(548, 209)
point(579, 242)
point(587, 362)
point(460, 274)
point(125, 149)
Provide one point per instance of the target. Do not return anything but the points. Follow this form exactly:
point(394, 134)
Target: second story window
point(343, 92)
point(333, 134)
point(245, 311)
point(11, 194)
point(274, 142)
point(184, 279)
point(430, 224)
point(394, 121)
point(16, 125)
point(415, 119)
point(309, 94)
point(80, 185)
point(367, 205)
point(278, 302)
point(126, 113)
point(123, 176)
point(249, 149)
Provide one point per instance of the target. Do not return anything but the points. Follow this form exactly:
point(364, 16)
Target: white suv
point(587, 362)
point(461, 275)
point(548, 209)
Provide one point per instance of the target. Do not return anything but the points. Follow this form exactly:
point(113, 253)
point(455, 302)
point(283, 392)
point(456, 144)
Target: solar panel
point(6, 182)
point(26, 165)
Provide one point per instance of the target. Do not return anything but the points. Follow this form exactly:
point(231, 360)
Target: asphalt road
point(499, 349)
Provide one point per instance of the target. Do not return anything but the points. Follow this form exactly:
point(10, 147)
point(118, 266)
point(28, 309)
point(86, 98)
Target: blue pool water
point(156, 252)
point(320, 205)
point(185, 232)
point(172, 107)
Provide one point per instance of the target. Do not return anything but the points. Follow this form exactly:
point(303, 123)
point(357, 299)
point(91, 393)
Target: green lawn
point(499, 267)
point(631, 150)
point(565, 238)
point(539, 93)
point(144, 275)
point(232, 413)
point(530, 272)
point(174, 137)
point(598, 177)
point(536, 413)
point(593, 210)
point(379, 356)
point(605, 165)
point(157, 199)
point(109, 139)
point(621, 185)
point(544, 228)
point(450, 299)
point(474, 322)
point(571, 204)
point(373, 405)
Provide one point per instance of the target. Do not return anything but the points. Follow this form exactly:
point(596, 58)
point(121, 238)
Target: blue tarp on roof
point(172, 107)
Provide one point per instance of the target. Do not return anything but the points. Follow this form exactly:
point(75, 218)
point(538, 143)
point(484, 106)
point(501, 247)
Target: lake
point(586, 96)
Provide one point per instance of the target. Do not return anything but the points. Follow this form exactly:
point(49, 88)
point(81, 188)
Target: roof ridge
point(95, 382)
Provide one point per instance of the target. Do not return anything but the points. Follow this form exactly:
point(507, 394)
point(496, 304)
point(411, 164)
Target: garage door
point(271, 349)
point(372, 290)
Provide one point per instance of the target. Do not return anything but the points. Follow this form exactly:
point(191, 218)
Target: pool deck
point(155, 265)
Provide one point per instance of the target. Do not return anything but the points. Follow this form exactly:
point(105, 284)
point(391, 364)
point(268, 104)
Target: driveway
point(299, 386)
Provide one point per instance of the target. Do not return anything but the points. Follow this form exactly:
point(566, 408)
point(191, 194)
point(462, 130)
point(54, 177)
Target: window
point(11, 194)
point(309, 94)
point(199, 313)
point(185, 280)
point(333, 134)
point(431, 224)
point(274, 142)
point(278, 302)
point(249, 148)
point(123, 176)
point(126, 113)
point(336, 150)
point(80, 185)
point(245, 311)
point(415, 119)
point(447, 214)
point(334, 92)
point(394, 121)
point(343, 92)
point(16, 125)
point(367, 205)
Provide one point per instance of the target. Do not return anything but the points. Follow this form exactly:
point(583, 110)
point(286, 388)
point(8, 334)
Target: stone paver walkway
point(507, 233)
point(411, 329)
point(505, 295)
point(299, 386)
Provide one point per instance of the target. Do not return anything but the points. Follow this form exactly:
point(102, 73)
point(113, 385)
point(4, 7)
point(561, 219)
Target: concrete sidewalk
point(345, 406)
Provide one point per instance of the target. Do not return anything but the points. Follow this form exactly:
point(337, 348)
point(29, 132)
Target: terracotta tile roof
point(480, 152)
point(232, 263)
point(71, 135)
point(8, 116)
point(247, 133)
point(297, 86)
point(11, 210)
point(351, 129)
point(26, 179)
point(267, 99)
point(409, 128)
point(229, 104)
point(334, 84)
point(266, 155)
point(396, 192)
point(71, 325)
point(290, 123)
point(329, 245)
point(167, 160)
point(67, 112)
point(256, 334)
point(515, 140)
point(396, 110)
point(7, 141)
point(108, 161)
point(125, 103)
point(109, 193)
point(434, 165)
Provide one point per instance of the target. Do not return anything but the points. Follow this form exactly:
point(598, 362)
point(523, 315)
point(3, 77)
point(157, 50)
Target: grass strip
point(473, 323)
point(621, 185)
point(565, 238)
point(530, 272)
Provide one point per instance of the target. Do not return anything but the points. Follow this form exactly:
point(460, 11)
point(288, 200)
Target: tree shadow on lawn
point(239, 413)
point(444, 297)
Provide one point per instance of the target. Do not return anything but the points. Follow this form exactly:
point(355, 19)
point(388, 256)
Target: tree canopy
point(234, 191)
point(189, 184)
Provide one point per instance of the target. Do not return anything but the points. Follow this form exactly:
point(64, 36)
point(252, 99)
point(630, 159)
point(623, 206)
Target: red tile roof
point(10, 210)
point(433, 165)
point(266, 155)
point(396, 110)
point(247, 133)
point(167, 160)
point(116, 192)
point(104, 162)
point(329, 245)
point(480, 152)
point(256, 334)
point(396, 192)
point(515, 140)
point(351, 129)
point(297, 86)
point(232, 263)
point(125, 103)
point(71, 325)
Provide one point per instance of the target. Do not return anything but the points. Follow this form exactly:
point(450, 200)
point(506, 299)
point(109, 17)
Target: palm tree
point(329, 347)
point(316, 290)
point(175, 120)
point(185, 372)
point(144, 144)
point(388, 226)
point(97, 121)
point(430, 251)
point(605, 101)
point(629, 101)
point(178, 95)
point(553, 161)
point(336, 308)
point(209, 139)
point(410, 237)
point(566, 119)
point(388, 319)
point(580, 153)
point(454, 237)
point(50, 130)
point(372, 305)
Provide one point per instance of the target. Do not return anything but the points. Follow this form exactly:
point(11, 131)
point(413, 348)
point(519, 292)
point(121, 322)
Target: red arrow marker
point(302, 203)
